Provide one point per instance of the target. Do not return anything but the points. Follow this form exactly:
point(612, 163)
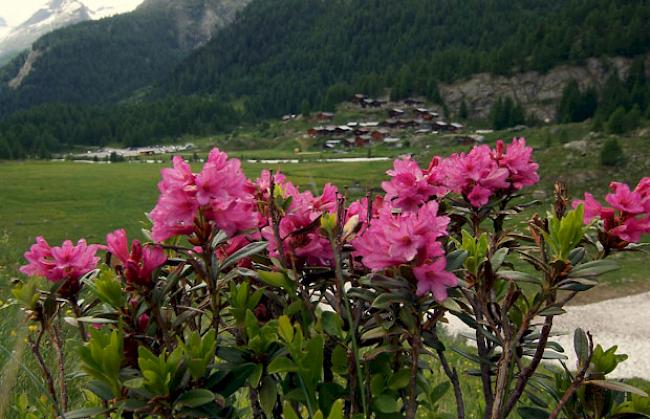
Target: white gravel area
point(621, 321)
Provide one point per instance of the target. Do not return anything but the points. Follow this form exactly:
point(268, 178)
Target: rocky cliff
point(539, 93)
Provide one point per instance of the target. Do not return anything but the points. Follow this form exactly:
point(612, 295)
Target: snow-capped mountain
point(4, 28)
point(55, 14)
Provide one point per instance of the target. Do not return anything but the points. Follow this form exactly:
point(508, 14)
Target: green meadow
point(67, 200)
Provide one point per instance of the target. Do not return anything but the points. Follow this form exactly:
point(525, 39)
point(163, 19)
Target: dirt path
point(621, 321)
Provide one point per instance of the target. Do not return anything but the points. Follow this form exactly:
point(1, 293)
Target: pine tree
point(612, 154)
point(616, 122)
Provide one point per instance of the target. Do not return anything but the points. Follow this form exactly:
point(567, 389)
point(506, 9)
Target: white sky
point(16, 12)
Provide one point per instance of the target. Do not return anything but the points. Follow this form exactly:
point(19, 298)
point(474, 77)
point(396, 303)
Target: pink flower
point(360, 209)
point(173, 215)
point(178, 179)
point(300, 234)
point(475, 175)
point(68, 262)
point(628, 218)
point(410, 187)
point(519, 162)
point(139, 264)
point(395, 239)
point(220, 192)
point(433, 277)
point(482, 173)
point(623, 199)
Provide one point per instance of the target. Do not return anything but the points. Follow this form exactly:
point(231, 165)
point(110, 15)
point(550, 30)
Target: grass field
point(64, 200)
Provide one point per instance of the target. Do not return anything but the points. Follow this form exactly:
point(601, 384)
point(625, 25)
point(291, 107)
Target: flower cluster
point(220, 191)
point(628, 218)
point(410, 186)
point(477, 175)
point(481, 173)
point(394, 239)
point(65, 263)
point(139, 262)
point(302, 241)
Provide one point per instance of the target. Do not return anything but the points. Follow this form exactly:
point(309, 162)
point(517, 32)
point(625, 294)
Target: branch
point(577, 381)
point(483, 353)
point(451, 374)
point(60, 358)
point(524, 376)
point(36, 350)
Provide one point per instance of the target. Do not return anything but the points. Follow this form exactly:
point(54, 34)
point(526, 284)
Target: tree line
point(51, 128)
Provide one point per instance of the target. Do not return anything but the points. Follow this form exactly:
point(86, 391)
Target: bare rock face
point(196, 21)
point(538, 93)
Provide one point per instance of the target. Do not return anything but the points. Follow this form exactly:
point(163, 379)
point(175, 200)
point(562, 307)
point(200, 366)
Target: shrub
point(616, 124)
point(313, 306)
point(612, 153)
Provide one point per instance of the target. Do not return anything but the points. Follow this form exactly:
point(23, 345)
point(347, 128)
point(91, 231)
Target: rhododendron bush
point(252, 298)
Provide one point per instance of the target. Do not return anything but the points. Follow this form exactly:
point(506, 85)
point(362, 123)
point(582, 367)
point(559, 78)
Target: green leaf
point(134, 383)
point(399, 380)
point(552, 311)
point(498, 257)
point(281, 364)
point(337, 410)
point(248, 250)
point(456, 259)
point(520, 276)
point(593, 268)
point(285, 329)
point(385, 403)
point(268, 394)
point(332, 324)
point(87, 412)
point(581, 345)
point(288, 411)
point(256, 376)
point(274, 279)
point(438, 392)
point(194, 398)
point(384, 300)
point(617, 386)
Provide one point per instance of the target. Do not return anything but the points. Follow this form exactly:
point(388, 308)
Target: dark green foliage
point(612, 154)
point(505, 113)
point(576, 106)
point(463, 112)
point(281, 52)
point(51, 128)
point(617, 121)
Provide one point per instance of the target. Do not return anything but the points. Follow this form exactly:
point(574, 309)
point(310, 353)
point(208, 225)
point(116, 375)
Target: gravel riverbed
point(622, 321)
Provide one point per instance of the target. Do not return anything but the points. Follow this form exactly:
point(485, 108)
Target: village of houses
point(408, 117)
point(377, 121)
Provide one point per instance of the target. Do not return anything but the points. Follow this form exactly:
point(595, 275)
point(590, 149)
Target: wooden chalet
point(324, 116)
point(413, 101)
point(362, 140)
point(396, 112)
point(391, 123)
point(358, 98)
point(455, 126)
point(371, 103)
point(379, 134)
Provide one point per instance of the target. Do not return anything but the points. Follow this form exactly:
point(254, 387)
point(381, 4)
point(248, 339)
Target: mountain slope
point(53, 15)
point(288, 55)
point(107, 60)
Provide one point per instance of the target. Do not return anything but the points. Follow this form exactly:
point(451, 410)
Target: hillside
point(108, 60)
point(289, 55)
